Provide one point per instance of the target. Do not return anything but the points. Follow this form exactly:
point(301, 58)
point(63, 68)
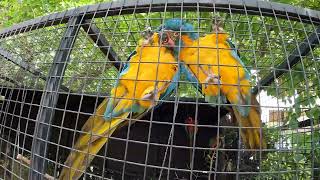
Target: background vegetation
point(264, 43)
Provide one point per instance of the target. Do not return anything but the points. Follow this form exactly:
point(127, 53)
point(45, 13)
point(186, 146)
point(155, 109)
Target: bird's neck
point(185, 42)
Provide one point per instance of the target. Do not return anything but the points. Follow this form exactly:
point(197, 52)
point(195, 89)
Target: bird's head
point(172, 30)
point(167, 37)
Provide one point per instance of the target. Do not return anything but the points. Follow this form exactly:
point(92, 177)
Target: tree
point(263, 43)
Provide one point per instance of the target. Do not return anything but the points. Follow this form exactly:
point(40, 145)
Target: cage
point(58, 68)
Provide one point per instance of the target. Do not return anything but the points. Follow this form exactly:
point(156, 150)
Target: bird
point(217, 66)
point(149, 76)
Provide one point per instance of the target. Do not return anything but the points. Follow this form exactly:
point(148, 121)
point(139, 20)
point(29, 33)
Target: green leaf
point(293, 121)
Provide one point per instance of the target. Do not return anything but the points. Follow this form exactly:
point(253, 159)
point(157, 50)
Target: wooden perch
point(28, 162)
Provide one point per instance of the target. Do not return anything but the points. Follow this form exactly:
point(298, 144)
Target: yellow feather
point(152, 67)
point(213, 54)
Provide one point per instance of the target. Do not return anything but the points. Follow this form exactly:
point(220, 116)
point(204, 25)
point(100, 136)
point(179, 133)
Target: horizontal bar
point(128, 7)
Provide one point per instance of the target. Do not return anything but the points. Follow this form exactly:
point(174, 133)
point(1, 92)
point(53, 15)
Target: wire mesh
point(278, 44)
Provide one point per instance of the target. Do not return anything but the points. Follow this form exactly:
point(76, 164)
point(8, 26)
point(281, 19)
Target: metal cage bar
point(128, 7)
point(84, 18)
point(99, 39)
point(50, 97)
point(116, 8)
point(25, 66)
point(304, 48)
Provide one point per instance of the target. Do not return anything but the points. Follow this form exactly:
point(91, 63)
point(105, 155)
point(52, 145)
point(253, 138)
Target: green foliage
point(294, 157)
point(15, 11)
point(312, 4)
point(263, 42)
point(284, 165)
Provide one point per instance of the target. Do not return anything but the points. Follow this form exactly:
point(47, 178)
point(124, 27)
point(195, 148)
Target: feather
point(218, 67)
point(142, 82)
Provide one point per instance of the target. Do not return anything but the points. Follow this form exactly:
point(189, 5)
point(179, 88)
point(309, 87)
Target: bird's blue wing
point(126, 65)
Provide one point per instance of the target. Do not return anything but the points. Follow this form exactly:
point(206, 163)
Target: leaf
point(314, 113)
point(293, 121)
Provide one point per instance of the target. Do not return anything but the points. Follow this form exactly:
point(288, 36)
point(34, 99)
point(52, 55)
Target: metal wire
point(57, 69)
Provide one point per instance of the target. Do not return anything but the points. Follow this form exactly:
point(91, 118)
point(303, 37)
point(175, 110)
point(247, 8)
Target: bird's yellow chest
point(212, 56)
point(148, 67)
point(207, 55)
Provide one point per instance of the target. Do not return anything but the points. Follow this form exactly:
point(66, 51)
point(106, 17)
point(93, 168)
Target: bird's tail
point(251, 129)
point(94, 135)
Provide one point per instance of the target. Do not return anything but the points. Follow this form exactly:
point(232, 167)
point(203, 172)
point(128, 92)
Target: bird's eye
point(165, 39)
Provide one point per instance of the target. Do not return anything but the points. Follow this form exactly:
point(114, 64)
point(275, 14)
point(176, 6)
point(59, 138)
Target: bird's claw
point(147, 35)
point(212, 79)
point(151, 95)
point(217, 24)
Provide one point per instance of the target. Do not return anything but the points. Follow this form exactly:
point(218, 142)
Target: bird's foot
point(147, 36)
point(212, 79)
point(217, 24)
point(153, 94)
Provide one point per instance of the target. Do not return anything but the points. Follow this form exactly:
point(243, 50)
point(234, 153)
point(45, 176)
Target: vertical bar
point(49, 99)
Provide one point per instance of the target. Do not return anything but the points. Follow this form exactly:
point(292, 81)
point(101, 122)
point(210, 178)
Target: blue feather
point(187, 28)
point(110, 106)
point(190, 76)
point(169, 90)
point(171, 87)
point(135, 108)
point(180, 25)
point(126, 65)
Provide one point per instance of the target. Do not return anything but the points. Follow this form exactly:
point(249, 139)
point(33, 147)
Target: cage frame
point(81, 18)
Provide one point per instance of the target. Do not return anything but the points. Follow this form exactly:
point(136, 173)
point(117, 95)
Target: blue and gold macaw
point(150, 75)
point(216, 65)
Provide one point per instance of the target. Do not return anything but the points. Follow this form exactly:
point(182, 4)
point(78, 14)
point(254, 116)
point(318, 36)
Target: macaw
point(150, 75)
point(172, 29)
point(216, 64)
